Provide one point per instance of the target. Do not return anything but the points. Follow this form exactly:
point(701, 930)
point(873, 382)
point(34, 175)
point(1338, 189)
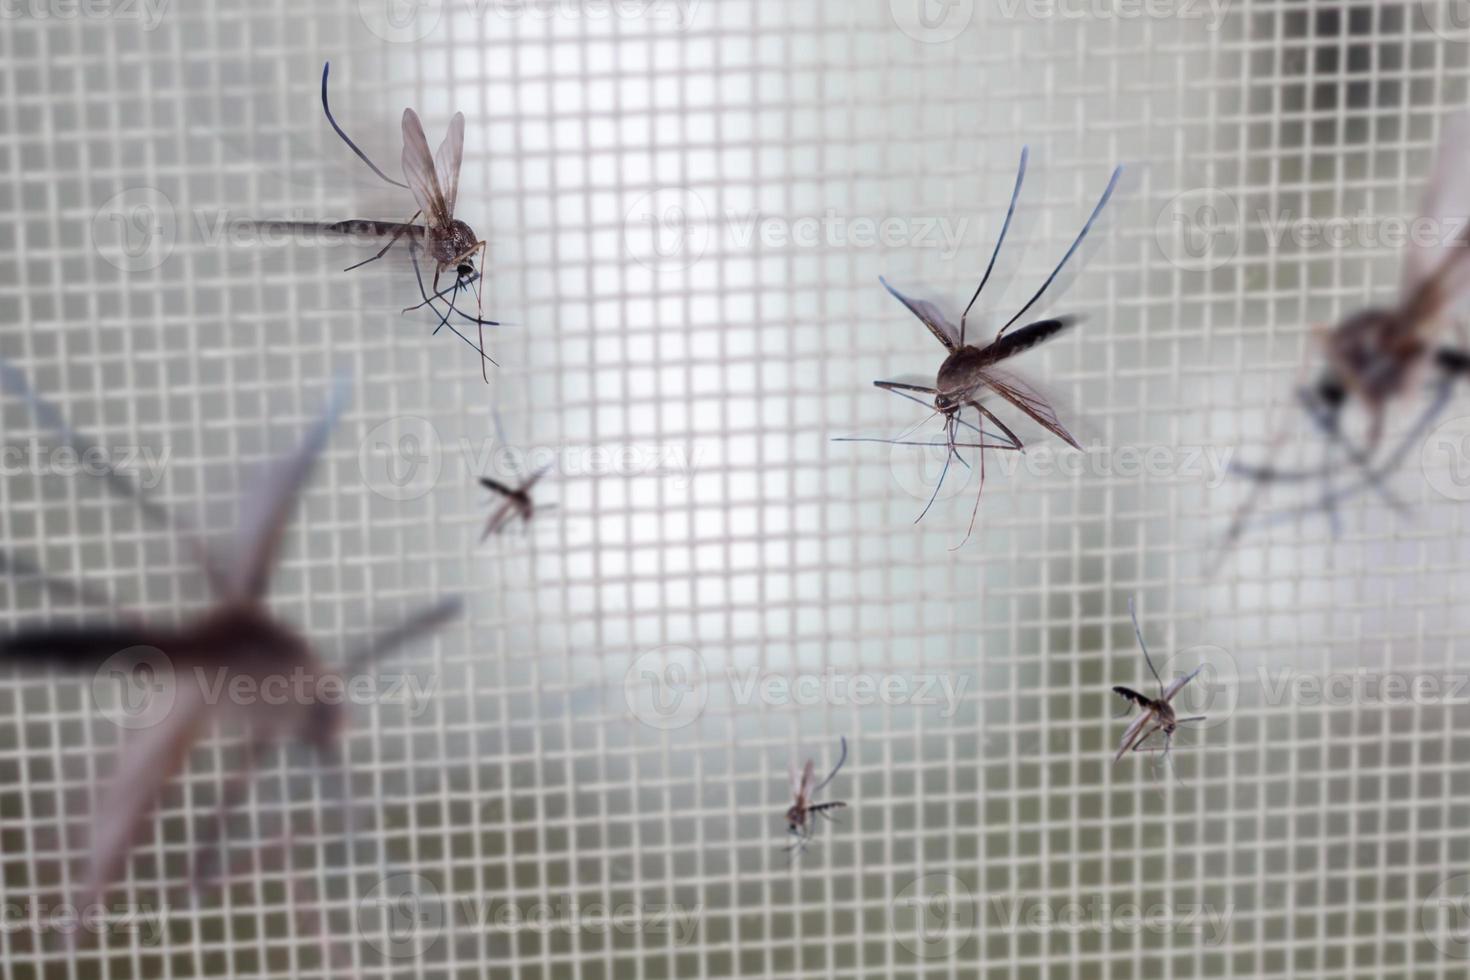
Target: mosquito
point(433, 180)
point(1157, 714)
point(799, 822)
point(970, 373)
point(1375, 357)
point(517, 501)
point(237, 640)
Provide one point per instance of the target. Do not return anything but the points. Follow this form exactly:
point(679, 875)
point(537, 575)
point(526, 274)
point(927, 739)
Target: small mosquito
point(1157, 714)
point(969, 373)
point(1375, 356)
point(798, 818)
point(237, 640)
point(517, 501)
point(447, 241)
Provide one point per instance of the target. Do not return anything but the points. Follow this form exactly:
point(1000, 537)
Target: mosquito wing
point(808, 778)
point(1440, 264)
point(1133, 734)
point(1023, 395)
point(934, 318)
point(1177, 684)
point(418, 170)
point(498, 519)
point(267, 508)
point(144, 766)
point(447, 161)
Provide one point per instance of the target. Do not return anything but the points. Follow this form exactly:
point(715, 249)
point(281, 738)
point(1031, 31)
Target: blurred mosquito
point(238, 639)
point(1157, 715)
point(799, 822)
point(970, 373)
point(1375, 356)
point(449, 242)
point(517, 500)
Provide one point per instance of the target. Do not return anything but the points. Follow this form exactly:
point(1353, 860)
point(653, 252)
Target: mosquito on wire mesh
point(1157, 715)
point(236, 663)
point(516, 501)
point(433, 180)
point(799, 822)
point(969, 373)
point(1375, 357)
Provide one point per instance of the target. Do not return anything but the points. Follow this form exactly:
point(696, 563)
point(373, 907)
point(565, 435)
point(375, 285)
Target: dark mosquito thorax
point(1372, 354)
point(956, 377)
point(795, 817)
point(448, 246)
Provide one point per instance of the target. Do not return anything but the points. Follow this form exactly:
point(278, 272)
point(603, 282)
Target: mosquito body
point(1156, 715)
point(1377, 356)
point(516, 501)
point(970, 373)
point(799, 817)
point(433, 180)
point(237, 642)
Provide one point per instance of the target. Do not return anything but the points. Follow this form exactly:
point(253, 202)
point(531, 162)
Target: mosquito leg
point(423, 291)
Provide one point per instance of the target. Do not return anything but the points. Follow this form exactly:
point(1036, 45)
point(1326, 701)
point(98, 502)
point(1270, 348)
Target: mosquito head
point(795, 818)
point(946, 404)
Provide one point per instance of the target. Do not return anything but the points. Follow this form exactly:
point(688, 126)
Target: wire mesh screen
point(686, 206)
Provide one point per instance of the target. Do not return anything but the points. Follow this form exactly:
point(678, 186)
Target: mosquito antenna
point(424, 291)
point(1096, 212)
point(326, 68)
point(935, 495)
point(1138, 631)
point(1010, 213)
point(823, 784)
